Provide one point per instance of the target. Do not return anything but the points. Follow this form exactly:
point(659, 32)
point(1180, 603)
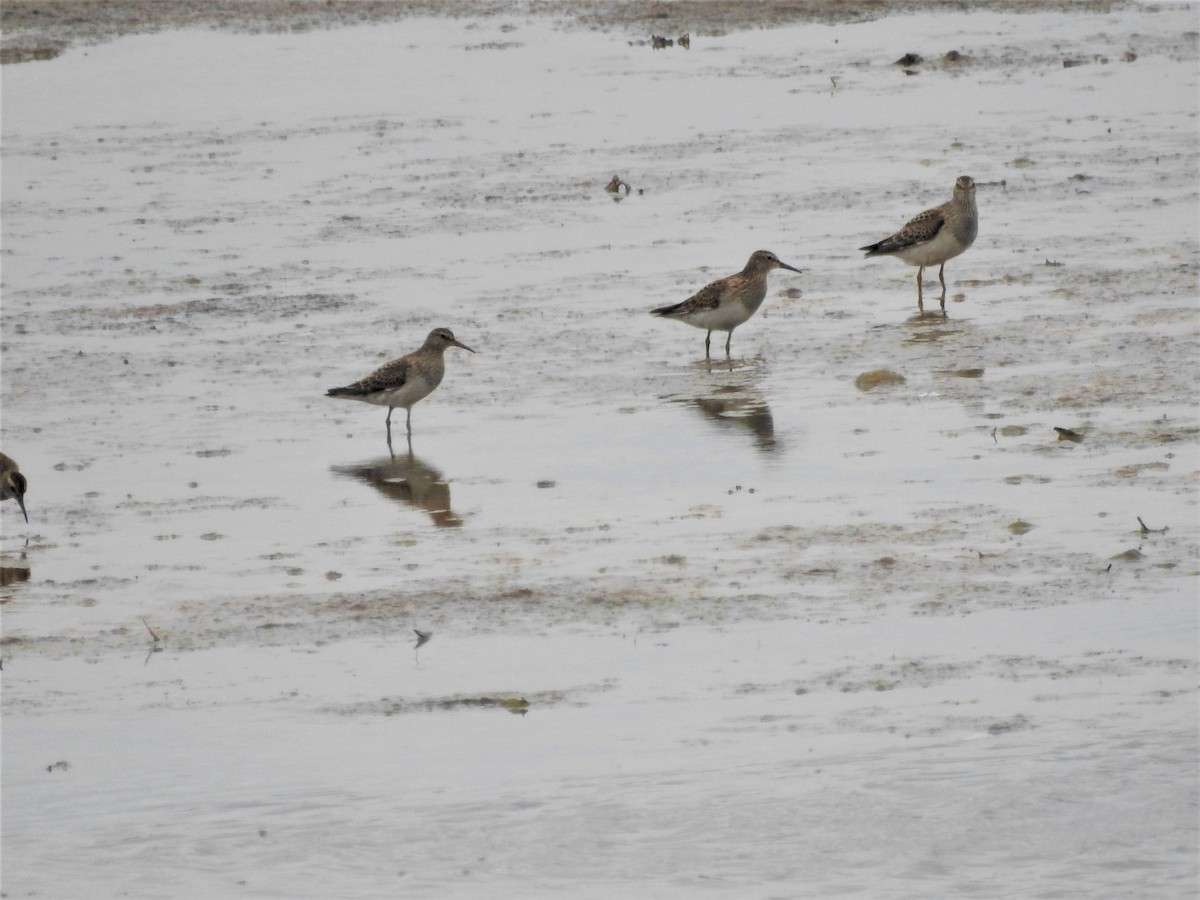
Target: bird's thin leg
point(408, 420)
point(942, 279)
point(389, 429)
point(728, 339)
point(920, 299)
point(707, 344)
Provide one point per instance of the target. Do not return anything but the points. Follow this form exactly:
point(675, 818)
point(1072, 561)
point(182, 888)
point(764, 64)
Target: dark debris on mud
point(280, 306)
point(515, 703)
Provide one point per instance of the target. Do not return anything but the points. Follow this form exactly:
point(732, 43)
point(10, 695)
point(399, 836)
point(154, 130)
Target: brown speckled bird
point(727, 303)
point(12, 483)
point(934, 236)
point(404, 381)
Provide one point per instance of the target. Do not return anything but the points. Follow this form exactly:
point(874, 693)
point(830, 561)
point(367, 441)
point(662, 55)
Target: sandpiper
point(404, 381)
point(728, 302)
point(935, 236)
point(13, 483)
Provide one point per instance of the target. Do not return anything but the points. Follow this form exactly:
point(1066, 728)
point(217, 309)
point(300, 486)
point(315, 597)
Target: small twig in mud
point(994, 438)
point(1054, 263)
point(422, 638)
point(1146, 529)
point(156, 647)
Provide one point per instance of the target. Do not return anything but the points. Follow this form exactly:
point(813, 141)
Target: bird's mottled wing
point(708, 297)
point(920, 229)
point(387, 377)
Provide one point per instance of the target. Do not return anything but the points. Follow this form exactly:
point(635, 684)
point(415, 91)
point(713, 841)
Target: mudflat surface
point(747, 627)
point(41, 29)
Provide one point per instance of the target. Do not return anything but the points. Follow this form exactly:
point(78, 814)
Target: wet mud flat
point(39, 30)
point(695, 626)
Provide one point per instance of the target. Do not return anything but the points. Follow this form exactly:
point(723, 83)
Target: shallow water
point(778, 636)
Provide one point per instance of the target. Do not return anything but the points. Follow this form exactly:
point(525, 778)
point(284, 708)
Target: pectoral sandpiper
point(404, 381)
point(727, 303)
point(12, 483)
point(934, 236)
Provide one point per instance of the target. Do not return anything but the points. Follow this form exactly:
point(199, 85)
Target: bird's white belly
point(404, 396)
point(715, 320)
point(724, 318)
point(944, 246)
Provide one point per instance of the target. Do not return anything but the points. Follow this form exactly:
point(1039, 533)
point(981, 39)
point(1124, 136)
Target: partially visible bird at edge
point(12, 483)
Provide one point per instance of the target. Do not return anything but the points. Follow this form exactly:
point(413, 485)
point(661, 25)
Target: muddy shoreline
point(618, 619)
point(38, 30)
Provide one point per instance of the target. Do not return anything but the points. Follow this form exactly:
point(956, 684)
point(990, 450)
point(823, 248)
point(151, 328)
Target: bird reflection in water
point(926, 327)
point(10, 575)
point(409, 480)
point(731, 407)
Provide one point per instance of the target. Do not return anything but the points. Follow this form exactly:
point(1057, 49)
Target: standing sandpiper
point(935, 235)
point(13, 483)
point(728, 302)
point(404, 381)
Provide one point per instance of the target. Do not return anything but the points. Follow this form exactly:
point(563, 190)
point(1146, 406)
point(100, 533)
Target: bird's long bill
point(21, 503)
point(784, 265)
point(457, 343)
